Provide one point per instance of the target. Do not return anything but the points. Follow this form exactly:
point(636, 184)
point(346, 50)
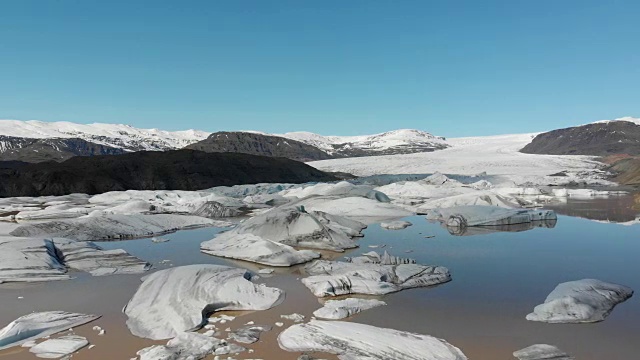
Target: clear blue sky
point(453, 68)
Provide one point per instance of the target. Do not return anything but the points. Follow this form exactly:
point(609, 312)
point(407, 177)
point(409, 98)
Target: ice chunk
point(38, 325)
point(295, 317)
point(340, 309)
point(186, 346)
point(353, 341)
point(373, 257)
point(57, 348)
point(581, 301)
point(179, 299)
point(541, 352)
point(249, 334)
point(395, 225)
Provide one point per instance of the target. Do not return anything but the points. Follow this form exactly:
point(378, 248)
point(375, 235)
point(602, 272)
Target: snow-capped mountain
point(120, 136)
point(20, 137)
point(404, 141)
point(624, 118)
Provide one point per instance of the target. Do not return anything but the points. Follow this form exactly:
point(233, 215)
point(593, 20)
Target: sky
point(453, 68)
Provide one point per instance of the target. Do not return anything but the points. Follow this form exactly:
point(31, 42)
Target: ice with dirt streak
point(340, 309)
point(581, 301)
point(171, 301)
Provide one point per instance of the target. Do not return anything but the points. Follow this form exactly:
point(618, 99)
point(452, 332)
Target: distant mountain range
point(37, 141)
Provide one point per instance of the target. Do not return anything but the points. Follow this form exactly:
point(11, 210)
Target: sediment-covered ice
point(541, 352)
point(581, 301)
point(38, 325)
point(353, 341)
point(332, 278)
point(340, 309)
point(179, 299)
point(109, 227)
point(59, 347)
point(395, 225)
point(269, 238)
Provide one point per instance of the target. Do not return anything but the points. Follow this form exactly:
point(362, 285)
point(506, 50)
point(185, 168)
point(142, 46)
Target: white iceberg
point(541, 352)
point(581, 301)
point(340, 309)
point(360, 209)
point(328, 278)
point(353, 341)
point(342, 189)
point(179, 299)
point(57, 348)
point(39, 325)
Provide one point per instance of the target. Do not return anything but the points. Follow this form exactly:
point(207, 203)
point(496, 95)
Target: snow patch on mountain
point(624, 118)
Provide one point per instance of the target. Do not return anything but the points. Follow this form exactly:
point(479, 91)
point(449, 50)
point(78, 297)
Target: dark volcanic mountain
point(151, 170)
point(605, 138)
point(259, 144)
point(56, 149)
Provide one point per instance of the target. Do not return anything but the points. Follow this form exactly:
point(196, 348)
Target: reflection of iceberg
point(481, 230)
point(459, 218)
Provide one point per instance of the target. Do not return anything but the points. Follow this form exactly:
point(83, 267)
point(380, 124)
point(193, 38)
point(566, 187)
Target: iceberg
point(98, 226)
point(188, 346)
point(395, 225)
point(581, 301)
point(478, 215)
point(329, 278)
point(179, 299)
point(353, 341)
point(269, 238)
point(541, 352)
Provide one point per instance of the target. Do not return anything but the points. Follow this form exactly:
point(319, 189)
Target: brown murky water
point(497, 279)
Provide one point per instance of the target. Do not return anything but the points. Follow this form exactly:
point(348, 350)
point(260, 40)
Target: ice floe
point(373, 257)
point(581, 301)
point(341, 189)
point(332, 278)
point(340, 309)
point(179, 299)
point(39, 325)
point(541, 352)
point(353, 341)
point(59, 347)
